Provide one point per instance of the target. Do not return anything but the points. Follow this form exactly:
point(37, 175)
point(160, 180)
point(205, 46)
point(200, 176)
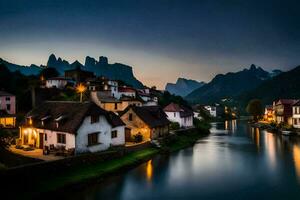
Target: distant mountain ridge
point(116, 71)
point(183, 86)
point(26, 70)
point(283, 86)
point(231, 85)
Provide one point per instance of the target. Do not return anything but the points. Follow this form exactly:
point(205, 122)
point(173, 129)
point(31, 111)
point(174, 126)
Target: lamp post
point(81, 89)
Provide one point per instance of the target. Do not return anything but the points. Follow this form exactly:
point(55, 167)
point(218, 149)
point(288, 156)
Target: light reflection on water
point(234, 162)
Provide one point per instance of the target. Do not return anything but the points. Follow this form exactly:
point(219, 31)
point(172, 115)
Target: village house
point(149, 121)
point(180, 114)
point(283, 112)
point(104, 100)
point(148, 97)
point(296, 114)
point(57, 82)
point(268, 113)
point(78, 75)
point(73, 126)
point(126, 91)
point(7, 110)
point(212, 110)
point(103, 84)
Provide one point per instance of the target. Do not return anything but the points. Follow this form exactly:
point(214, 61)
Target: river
point(234, 162)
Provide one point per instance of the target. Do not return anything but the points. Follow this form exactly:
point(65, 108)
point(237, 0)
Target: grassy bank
point(78, 176)
point(84, 173)
point(182, 140)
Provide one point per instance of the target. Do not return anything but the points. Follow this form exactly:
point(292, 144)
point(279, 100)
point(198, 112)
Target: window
point(7, 98)
point(94, 119)
point(8, 107)
point(116, 106)
point(174, 114)
point(114, 134)
point(130, 116)
point(45, 137)
point(61, 138)
point(92, 139)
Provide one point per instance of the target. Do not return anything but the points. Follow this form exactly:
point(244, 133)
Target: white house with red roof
point(180, 114)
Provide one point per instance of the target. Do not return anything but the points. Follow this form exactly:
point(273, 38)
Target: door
point(128, 135)
point(41, 136)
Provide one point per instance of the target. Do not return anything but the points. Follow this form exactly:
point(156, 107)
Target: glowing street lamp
point(81, 89)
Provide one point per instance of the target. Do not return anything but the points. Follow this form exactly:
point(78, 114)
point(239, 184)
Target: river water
point(234, 162)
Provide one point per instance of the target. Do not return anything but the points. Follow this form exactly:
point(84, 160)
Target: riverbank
point(80, 175)
point(276, 128)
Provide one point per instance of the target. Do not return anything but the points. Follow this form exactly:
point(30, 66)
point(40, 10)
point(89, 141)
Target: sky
point(161, 40)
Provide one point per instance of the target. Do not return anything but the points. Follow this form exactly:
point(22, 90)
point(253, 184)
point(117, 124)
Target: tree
point(255, 109)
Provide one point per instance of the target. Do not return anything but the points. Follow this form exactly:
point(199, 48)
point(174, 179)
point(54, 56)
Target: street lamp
point(81, 89)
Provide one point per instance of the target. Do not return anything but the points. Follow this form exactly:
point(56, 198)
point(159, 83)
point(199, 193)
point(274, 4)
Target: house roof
point(59, 78)
point(183, 110)
point(297, 103)
point(126, 89)
point(153, 116)
point(127, 98)
point(3, 93)
point(286, 101)
point(69, 115)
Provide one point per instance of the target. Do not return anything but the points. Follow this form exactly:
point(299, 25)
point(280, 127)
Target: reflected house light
point(257, 135)
point(149, 170)
point(296, 155)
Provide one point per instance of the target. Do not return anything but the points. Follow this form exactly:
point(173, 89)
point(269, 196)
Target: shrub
point(174, 126)
point(138, 138)
point(2, 167)
point(202, 126)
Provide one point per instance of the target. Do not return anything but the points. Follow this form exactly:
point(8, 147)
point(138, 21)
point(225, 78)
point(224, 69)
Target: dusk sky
point(161, 40)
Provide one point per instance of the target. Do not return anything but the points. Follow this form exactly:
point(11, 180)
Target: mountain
point(230, 85)
point(183, 86)
point(116, 71)
point(26, 70)
point(285, 85)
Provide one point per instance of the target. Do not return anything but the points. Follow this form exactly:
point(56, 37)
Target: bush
point(174, 126)
point(2, 167)
point(202, 126)
point(138, 138)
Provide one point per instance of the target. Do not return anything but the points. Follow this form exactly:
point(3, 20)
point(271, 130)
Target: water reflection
point(230, 125)
point(296, 155)
point(249, 164)
point(149, 170)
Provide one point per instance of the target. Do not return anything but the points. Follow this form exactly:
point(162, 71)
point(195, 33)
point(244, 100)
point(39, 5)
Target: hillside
point(183, 86)
point(229, 85)
point(25, 70)
point(285, 85)
point(116, 71)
